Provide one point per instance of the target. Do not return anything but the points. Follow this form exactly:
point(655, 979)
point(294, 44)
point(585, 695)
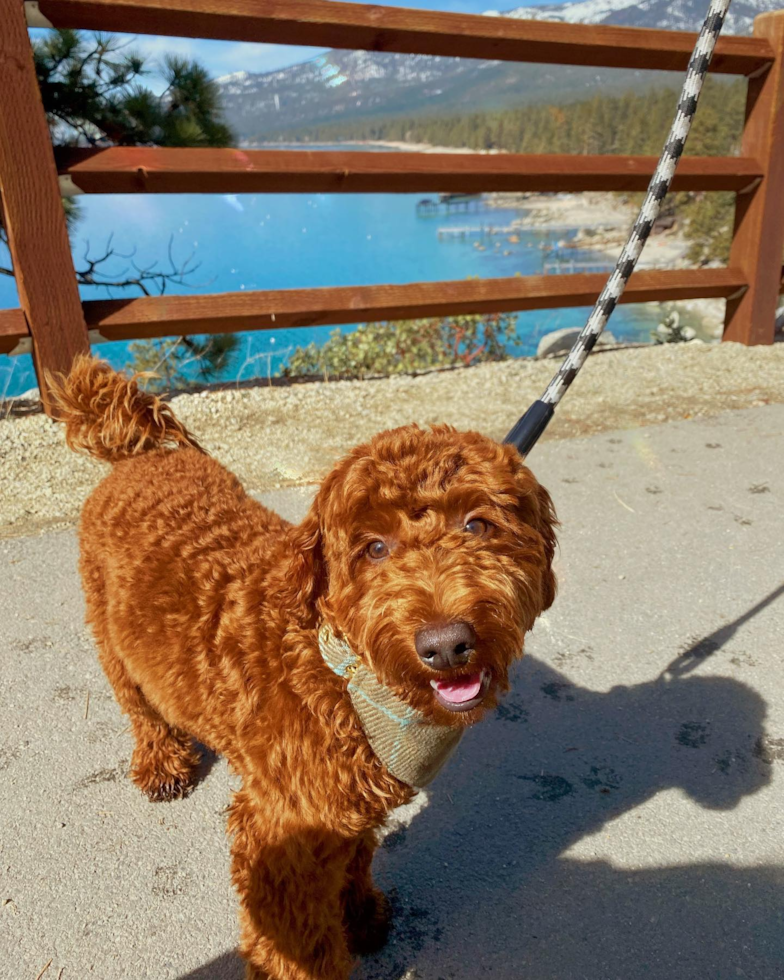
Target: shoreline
point(401, 145)
point(602, 220)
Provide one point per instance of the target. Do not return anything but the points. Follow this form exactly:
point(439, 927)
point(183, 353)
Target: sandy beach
point(603, 222)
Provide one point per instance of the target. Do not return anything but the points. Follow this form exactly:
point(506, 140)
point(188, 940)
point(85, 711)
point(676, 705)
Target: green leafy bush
point(406, 346)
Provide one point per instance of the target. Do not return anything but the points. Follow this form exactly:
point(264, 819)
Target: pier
point(478, 231)
point(558, 266)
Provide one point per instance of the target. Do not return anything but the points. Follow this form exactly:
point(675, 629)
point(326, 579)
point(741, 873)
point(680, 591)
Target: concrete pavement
point(620, 817)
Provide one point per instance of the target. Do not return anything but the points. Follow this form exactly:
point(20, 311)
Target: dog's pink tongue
point(461, 689)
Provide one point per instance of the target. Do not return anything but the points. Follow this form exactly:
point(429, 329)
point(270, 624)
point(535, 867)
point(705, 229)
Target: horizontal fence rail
point(13, 328)
point(139, 169)
point(327, 23)
point(162, 316)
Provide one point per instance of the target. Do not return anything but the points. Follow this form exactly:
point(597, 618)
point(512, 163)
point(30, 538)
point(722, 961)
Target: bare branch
point(147, 279)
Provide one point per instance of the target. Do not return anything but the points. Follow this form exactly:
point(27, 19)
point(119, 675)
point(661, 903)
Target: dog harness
point(411, 747)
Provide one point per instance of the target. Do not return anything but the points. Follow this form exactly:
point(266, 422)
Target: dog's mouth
point(461, 693)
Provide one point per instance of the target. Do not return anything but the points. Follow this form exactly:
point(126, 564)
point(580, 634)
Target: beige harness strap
point(411, 747)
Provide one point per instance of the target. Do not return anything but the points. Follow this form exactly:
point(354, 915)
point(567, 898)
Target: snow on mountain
point(682, 15)
point(583, 12)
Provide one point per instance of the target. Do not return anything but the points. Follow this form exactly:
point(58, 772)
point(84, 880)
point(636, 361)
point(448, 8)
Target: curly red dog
point(428, 552)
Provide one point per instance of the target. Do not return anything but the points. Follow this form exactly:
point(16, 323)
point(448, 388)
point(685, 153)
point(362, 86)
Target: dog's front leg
point(290, 887)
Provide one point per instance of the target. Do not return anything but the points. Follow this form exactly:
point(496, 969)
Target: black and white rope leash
point(532, 424)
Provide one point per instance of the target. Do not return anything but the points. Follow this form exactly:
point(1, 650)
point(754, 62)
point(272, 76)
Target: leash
point(532, 424)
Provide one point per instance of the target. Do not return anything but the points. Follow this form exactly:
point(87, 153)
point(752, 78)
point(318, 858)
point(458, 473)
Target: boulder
point(560, 341)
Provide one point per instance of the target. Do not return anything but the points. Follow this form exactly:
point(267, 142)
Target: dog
point(423, 561)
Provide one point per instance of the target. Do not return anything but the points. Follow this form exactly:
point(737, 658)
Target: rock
point(560, 341)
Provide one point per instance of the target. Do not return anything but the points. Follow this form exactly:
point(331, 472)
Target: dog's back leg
point(165, 762)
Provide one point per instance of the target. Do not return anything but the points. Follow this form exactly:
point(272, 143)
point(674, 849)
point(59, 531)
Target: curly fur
point(205, 607)
point(111, 420)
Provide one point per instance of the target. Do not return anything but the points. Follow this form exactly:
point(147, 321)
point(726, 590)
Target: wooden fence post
point(32, 210)
point(758, 238)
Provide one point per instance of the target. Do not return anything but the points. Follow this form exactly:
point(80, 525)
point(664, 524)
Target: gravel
point(283, 436)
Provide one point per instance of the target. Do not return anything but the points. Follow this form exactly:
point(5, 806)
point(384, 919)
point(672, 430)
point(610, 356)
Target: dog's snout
point(442, 647)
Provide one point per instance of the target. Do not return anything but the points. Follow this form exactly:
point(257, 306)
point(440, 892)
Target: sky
point(225, 57)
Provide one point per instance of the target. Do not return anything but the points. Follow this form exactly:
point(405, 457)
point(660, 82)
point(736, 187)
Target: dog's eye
point(477, 527)
point(377, 550)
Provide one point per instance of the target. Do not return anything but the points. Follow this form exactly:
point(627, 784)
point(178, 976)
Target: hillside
point(346, 86)
point(341, 86)
point(629, 123)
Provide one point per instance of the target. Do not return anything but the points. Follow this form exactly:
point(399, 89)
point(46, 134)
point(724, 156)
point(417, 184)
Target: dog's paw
point(165, 770)
point(368, 924)
point(173, 788)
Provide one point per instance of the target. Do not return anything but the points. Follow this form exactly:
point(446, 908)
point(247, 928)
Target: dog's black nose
point(442, 647)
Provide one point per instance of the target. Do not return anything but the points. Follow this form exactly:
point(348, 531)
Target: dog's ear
point(306, 570)
point(546, 525)
point(536, 509)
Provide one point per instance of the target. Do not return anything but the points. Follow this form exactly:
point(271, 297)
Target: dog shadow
point(228, 966)
point(485, 884)
point(207, 761)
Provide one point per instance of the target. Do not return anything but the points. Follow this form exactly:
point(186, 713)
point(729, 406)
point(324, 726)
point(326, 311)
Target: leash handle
point(532, 424)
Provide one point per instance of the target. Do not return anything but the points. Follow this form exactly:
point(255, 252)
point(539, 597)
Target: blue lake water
point(284, 241)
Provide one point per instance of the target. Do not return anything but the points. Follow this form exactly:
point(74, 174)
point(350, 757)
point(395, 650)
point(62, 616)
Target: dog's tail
point(108, 416)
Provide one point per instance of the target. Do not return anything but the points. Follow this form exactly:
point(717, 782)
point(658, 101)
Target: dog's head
point(430, 552)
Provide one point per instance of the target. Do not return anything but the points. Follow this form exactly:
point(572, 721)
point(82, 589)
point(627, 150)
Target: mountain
point(347, 85)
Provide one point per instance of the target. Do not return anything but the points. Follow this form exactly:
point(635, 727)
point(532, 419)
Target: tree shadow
point(483, 885)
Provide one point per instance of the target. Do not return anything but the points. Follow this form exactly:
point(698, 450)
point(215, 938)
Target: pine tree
point(178, 362)
point(93, 94)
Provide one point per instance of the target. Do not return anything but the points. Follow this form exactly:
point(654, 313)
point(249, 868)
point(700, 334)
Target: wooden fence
point(57, 322)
